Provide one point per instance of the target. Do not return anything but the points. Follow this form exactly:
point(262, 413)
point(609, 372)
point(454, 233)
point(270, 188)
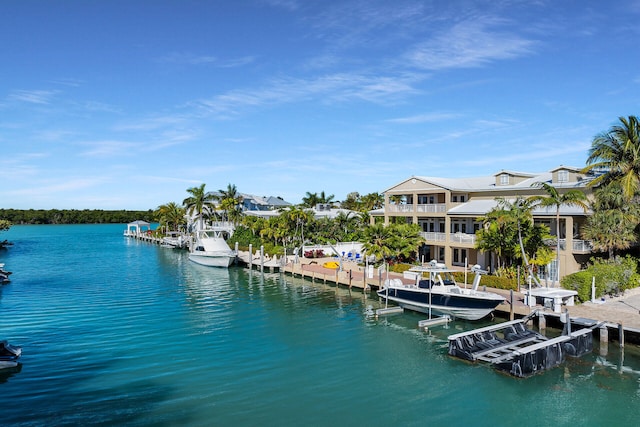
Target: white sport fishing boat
point(211, 249)
point(435, 290)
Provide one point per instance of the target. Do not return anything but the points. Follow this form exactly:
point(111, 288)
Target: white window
point(563, 176)
point(504, 179)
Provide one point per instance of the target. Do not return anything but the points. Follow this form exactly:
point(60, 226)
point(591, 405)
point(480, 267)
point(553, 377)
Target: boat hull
point(212, 260)
point(461, 306)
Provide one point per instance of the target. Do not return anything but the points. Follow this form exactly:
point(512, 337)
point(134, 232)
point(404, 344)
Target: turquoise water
point(119, 332)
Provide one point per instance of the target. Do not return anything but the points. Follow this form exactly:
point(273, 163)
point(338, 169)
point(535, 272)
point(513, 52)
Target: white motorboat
point(9, 355)
point(435, 290)
point(211, 249)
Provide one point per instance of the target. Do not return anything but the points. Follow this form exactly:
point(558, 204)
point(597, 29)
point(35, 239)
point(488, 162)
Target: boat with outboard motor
point(211, 249)
point(9, 355)
point(435, 290)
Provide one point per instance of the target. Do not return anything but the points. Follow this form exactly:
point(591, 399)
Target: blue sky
point(126, 104)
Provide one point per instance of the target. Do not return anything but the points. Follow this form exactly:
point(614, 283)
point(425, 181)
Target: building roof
point(480, 207)
point(488, 183)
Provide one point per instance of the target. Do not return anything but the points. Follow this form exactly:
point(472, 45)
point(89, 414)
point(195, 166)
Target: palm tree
point(170, 215)
point(617, 152)
point(326, 199)
point(199, 202)
point(405, 240)
point(498, 235)
point(520, 210)
point(377, 239)
point(230, 203)
point(310, 200)
point(372, 201)
point(296, 219)
point(614, 220)
point(554, 199)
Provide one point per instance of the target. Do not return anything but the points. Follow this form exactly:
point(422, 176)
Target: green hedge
point(581, 282)
point(612, 277)
point(488, 281)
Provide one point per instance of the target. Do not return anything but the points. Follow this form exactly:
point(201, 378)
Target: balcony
point(579, 246)
point(582, 246)
point(469, 239)
point(432, 208)
point(433, 237)
point(399, 208)
point(429, 208)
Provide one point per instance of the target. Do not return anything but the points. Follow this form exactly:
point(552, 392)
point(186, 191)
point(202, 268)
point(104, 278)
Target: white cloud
point(33, 96)
point(425, 118)
point(469, 44)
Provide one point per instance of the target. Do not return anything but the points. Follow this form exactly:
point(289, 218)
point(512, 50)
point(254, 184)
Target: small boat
point(4, 275)
point(9, 355)
point(439, 293)
point(331, 264)
point(211, 249)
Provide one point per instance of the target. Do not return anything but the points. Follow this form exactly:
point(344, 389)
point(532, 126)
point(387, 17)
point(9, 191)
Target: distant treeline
point(73, 216)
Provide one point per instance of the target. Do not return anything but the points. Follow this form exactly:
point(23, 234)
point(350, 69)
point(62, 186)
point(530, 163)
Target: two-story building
point(449, 212)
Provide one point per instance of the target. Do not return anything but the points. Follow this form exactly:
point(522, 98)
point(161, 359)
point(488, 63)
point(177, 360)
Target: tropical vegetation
point(610, 276)
point(508, 231)
point(556, 199)
point(74, 216)
point(615, 155)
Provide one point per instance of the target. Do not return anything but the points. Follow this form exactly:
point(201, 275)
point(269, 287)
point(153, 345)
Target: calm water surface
point(119, 332)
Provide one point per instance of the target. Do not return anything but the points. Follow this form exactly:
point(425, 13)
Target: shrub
point(581, 282)
point(489, 281)
point(612, 277)
point(318, 253)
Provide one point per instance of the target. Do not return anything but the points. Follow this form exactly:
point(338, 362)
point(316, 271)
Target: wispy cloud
point(109, 148)
point(150, 124)
point(33, 96)
point(185, 58)
point(469, 44)
point(342, 87)
point(284, 4)
point(425, 118)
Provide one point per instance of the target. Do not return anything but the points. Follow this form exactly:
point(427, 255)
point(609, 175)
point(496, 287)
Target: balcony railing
point(432, 208)
point(431, 236)
point(400, 208)
point(429, 208)
point(453, 237)
point(462, 238)
point(582, 246)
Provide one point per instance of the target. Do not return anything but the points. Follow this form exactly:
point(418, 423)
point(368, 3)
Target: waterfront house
point(448, 211)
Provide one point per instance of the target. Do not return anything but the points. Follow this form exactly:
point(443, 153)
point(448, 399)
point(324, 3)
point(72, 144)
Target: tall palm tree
point(617, 152)
point(198, 203)
point(555, 199)
point(230, 203)
point(520, 209)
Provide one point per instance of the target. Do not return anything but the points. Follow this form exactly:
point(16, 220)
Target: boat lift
point(519, 351)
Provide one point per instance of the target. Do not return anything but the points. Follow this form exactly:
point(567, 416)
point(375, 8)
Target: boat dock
point(513, 348)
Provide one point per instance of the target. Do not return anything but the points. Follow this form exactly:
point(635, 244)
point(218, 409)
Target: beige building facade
point(449, 211)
